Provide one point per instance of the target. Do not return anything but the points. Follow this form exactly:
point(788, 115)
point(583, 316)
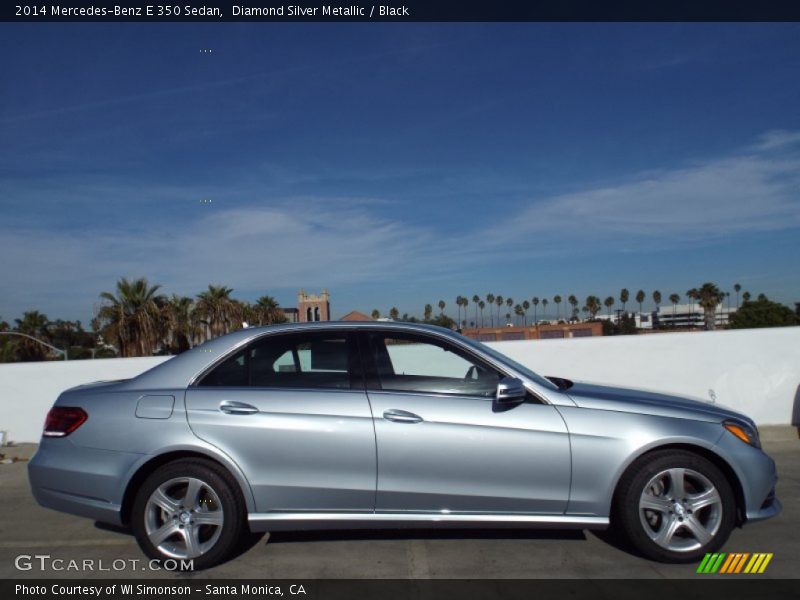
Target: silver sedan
point(388, 425)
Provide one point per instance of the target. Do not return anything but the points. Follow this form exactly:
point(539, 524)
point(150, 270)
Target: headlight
point(743, 431)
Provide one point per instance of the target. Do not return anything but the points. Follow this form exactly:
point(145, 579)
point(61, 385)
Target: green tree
point(481, 305)
point(518, 312)
point(609, 302)
point(34, 324)
point(183, 328)
point(498, 300)
point(217, 310)
point(746, 297)
point(657, 299)
point(763, 313)
point(428, 312)
point(490, 303)
point(441, 307)
point(573, 302)
point(593, 305)
point(376, 314)
point(624, 296)
point(476, 301)
point(674, 298)
point(557, 300)
point(709, 297)
point(394, 314)
point(132, 319)
point(458, 304)
point(545, 302)
point(535, 302)
point(526, 306)
point(737, 288)
point(640, 296)
point(268, 311)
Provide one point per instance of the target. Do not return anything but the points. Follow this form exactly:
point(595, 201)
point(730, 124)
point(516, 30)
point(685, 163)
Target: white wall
point(755, 371)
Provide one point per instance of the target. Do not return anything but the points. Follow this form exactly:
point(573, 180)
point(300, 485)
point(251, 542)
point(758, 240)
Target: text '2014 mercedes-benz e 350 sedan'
point(388, 425)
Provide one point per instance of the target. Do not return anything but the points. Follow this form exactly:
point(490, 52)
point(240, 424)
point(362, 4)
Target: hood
point(587, 395)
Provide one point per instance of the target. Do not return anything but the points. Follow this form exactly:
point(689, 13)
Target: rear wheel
point(189, 510)
point(674, 506)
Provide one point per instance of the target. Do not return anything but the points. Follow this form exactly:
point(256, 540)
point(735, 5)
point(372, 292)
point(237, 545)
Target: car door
point(291, 410)
point(444, 447)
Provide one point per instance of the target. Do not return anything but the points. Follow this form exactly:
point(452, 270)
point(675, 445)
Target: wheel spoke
point(707, 498)
point(160, 499)
point(208, 518)
point(192, 541)
point(162, 533)
point(700, 533)
point(192, 497)
point(664, 536)
point(656, 503)
point(676, 483)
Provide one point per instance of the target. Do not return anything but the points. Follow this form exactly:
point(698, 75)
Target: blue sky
point(397, 164)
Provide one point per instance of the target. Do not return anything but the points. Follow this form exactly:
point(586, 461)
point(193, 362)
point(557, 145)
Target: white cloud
point(777, 138)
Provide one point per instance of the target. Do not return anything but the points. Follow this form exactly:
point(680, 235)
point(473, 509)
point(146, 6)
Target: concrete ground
point(27, 529)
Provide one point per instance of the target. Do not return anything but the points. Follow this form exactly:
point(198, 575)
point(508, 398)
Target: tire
point(206, 529)
point(666, 525)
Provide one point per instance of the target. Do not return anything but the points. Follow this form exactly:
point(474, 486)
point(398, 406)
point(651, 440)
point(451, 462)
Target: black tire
point(639, 526)
point(225, 495)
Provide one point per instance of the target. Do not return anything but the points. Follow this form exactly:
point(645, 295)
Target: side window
point(289, 361)
point(409, 363)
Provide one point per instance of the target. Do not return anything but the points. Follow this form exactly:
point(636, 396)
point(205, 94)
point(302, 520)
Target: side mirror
point(510, 390)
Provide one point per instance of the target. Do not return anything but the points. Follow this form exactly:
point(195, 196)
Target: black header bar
point(400, 10)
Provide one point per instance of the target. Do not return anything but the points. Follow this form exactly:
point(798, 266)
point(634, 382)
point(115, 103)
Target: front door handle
point(401, 416)
point(237, 408)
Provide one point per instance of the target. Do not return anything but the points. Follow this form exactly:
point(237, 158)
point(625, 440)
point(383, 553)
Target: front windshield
point(532, 375)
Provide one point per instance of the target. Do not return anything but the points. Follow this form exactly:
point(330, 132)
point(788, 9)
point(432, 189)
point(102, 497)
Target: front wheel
point(189, 511)
point(675, 506)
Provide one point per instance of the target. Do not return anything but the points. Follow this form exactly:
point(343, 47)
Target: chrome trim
point(291, 521)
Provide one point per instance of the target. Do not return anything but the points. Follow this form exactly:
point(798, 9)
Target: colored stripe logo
point(735, 562)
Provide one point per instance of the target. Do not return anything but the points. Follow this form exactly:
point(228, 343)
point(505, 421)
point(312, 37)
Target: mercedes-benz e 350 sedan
point(388, 425)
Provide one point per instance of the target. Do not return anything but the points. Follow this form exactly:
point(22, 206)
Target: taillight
point(63, 420)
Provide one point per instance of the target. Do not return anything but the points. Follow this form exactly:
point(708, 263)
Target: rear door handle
point(237, 408)
point(401, 416)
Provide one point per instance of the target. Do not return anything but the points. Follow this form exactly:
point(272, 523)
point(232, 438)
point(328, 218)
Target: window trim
point(355, 371)
point(372, 379)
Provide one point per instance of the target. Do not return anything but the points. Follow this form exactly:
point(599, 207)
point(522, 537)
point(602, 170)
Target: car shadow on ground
point(282, 537)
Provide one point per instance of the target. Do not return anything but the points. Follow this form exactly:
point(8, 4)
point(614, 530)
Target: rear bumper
point(81, 481)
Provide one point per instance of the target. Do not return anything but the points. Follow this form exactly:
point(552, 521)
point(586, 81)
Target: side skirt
point(312, 521)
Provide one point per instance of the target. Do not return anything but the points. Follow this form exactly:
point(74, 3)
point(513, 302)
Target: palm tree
point(609, 302)
point(557, 300)
point(674, 298)
point(535, 302)
point(624, 295)
point(525, 308)
point(376, 314)
point(490, 303)
point(217, 310)
point(709, 297)
point(267, 311)
point(441, 307)
point(545, 302)
point(182, 329)
point(746, 297)
point(657, 299)
point(499, 301)
point(428, 312)
point(737, 288)
point(394, 314)
point(692, 294)
point(573, 301)
point(458, 304)
point(475, 300)
point(131, 320)
point(36, 325)
point(593, 305)
point(509, 302)
point(640, 296)
point(481, 305)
